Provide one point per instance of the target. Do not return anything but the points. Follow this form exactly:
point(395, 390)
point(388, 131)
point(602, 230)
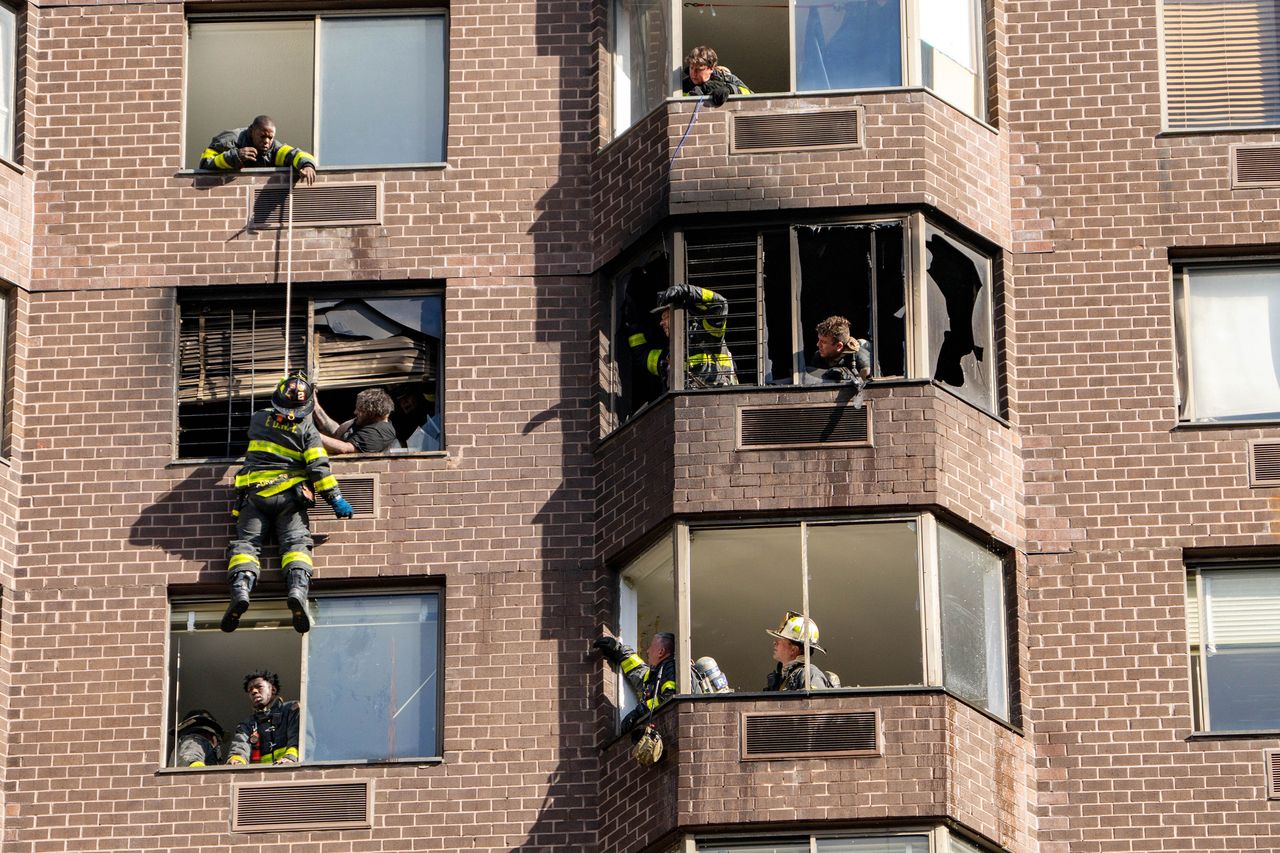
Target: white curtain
point(1233, 316)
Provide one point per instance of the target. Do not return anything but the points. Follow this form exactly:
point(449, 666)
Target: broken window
point(367, 674)
point(1227, 320)
point(638, 375)
point(231, 354)
point(1233, 631)
point(646, 607)
point(958, 305)
point(333, 78)
point(870, 587)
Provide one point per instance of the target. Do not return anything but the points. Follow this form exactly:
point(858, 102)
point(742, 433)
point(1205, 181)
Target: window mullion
point(910, 10)
point(761, 340)
point(1202, 606)
point(804, 598)
point(302, 696)
point(684, 619)
point(316, 59)
point(797, 322)
point(930, 596)
point(917, 317)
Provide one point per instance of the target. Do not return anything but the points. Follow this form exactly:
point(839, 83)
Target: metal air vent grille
point(1255, 165)
point(362, 493)
point(1271, 757)
point(291, 806)
point(1264, 463)
point(818, 734)
point(330, 204)
point(822, 425)
point(752, 133)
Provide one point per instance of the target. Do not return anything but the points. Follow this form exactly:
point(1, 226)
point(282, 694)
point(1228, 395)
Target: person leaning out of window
point(704, 75)
point(840, 356)
point(369, 431)
point(256, 146)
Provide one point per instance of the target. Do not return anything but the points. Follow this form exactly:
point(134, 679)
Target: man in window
point(788, 651)
point(653, 679)
point(197, 738)
point(705, 76)
point(270, 735)
point(256, 146)
point(708, 362)
point(370, 431)
point(840, 356)
point(285, 466)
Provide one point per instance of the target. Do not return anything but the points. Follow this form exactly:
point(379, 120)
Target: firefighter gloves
point(341, 508)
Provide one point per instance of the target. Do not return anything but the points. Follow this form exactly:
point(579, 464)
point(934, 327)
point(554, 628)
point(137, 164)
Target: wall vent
point(293, 806)
point(1271, 757)
point(1255, 166)
point(822, 425)
point(818, 734)
point(752, 133)
point(1264, 463)
point(324, 205)
point(360, 491)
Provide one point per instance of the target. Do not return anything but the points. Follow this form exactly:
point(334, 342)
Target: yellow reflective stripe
point(715, 330)
point(324, 484)
point(271, 447)
point(296, 557)
point(311, 454)
point(718, 359)
point(667, 685)
point(196, 764)
point(277, 489)
point(219, 158)
point(292, 750)
point(655, 356)
point(282, 154)
point(241, 559)
point(630, 662)
point(271, 757)
point(707, 295)
point(637, 339)
point(237, 759)
point(253, 477)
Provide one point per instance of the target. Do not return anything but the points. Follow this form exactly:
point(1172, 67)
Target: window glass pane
point(1242, 648)
point(864, 594)
point(382, 90)
point(779, 343)
point(959, 845)
point(1221, 64)
point(647, 606)
point(1232, 345)
point(742, 582)
point(890, 349)
point(373, 678)
point(789, 845)
point(639, 342)
point(8, 74)
point(948, 52)
point(207, 667)
point(848, 45)
point(897, 844)
point(958, 299)
point(750, 39)
point(641, 62)
point(973, 638)
point(218, 51)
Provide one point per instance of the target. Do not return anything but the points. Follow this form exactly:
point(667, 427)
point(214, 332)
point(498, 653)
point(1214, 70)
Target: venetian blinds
point(1222, 66)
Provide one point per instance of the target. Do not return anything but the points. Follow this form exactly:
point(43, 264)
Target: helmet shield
point(293, 398)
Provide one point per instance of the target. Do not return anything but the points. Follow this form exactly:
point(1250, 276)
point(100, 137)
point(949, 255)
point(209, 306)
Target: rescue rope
point(688, 128)
point(288, 271)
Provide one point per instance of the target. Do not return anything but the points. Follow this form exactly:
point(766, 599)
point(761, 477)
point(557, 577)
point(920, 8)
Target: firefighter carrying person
point(788, 651)
point(284, 467)
point(270, 735)
point(653, 679)
point(256, 146)
point(197, 738)
point(708, 362)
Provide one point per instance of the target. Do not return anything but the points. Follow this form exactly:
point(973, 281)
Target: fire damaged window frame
point(304, 356)
point(936, 839)
point(925, 333)
point(643, 576)
point(196, 612)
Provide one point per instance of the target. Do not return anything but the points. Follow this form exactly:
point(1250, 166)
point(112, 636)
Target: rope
point(689, 127)
point(288, 273)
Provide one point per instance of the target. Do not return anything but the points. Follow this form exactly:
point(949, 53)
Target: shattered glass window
point(959, 319)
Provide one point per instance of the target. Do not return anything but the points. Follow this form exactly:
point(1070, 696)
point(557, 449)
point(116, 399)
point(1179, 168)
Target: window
point(899, 602)
point(355, 90)
point(803, 46)
point(8, 77)
point(367, 674)
point(1227, 320)
point(1222, 68)
point(231, 354)
point(1233, 629)
point(919, 841)
point(779, 282)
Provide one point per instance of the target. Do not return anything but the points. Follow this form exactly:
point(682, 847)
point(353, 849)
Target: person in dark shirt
point(704, 75)
point(370, 431)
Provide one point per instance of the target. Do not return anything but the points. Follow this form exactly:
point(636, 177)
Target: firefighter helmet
point(293, 397)
point(794, 627)
point(201, 722)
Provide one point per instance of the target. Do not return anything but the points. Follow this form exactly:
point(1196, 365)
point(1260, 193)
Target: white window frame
point(940, 837)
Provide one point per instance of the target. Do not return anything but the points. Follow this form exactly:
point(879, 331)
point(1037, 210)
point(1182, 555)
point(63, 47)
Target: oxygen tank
point(711, 676)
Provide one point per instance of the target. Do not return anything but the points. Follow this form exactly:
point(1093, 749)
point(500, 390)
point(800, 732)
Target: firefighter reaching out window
point(708, 362)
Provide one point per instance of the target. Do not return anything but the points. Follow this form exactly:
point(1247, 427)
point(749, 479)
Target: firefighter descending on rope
point(283, 469)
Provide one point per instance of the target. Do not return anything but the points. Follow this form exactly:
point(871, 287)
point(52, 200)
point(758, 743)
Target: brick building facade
point(1040, 544)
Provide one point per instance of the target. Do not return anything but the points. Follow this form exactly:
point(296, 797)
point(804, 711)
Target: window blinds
point(1222, 66)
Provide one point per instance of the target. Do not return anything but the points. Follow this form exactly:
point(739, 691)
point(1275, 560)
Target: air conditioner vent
point(1271, 758)
point(362, 493)
point(292, 806)
point(1255, 166)
point(819, 734)
point(329, 204)
point(1264, 463)
point(752, 133)
point(822, 425)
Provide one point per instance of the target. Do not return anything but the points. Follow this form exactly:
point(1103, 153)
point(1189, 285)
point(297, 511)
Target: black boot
point(240, 583)
point(299, 586)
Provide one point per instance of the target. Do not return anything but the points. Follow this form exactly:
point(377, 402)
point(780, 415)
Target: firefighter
point(708, 362)
point(256, 146)
point(270, 735)
point(788, 651)
point(840, 356)
point(283, 469)
point(653, 679)
point(197, 736)
point(704, 75)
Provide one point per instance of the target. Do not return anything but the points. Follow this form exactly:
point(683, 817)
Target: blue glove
point(341, 508)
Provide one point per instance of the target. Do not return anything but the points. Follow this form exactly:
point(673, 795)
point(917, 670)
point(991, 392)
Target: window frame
point(940, 837)
point(315, 18)
point(929, 590)
point(13, 95)
point(170, 707)
point(309, 293)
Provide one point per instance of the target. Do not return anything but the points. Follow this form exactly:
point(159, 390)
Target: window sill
point(1179, 132)
point(13, 164)
point(325, 765)
point(1262, 734)
point(344, 457)
point(1183, 426)
point(320, 170)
